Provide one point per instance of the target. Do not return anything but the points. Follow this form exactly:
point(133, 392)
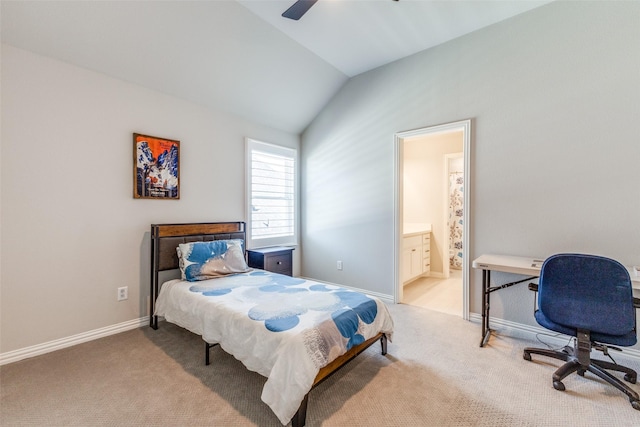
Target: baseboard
point(435, 274)
point(506, 327)
point(36, 350)
point(519, 330)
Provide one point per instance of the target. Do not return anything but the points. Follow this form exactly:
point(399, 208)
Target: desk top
point(525, 265)
point(509, 264)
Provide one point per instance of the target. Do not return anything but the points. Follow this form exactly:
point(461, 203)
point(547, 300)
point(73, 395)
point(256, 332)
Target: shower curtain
point(456, 205)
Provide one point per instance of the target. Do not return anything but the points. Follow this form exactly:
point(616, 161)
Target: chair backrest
point(588, 292)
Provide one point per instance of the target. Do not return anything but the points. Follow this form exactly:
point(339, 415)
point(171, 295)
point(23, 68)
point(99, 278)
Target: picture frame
point(156, 167)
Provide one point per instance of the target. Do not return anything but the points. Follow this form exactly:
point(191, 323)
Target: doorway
point(432, 171)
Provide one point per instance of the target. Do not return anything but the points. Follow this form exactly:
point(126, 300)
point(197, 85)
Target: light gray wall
point(71, 231)
point(554, 95)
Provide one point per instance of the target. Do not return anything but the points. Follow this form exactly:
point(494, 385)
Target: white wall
point(555, 101)
point(71, 231)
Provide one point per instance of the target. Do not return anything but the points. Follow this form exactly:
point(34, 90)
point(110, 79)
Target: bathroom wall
point(425, 186)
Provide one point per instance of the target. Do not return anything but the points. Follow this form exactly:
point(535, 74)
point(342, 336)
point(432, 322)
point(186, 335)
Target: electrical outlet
point(339, 265)
point(123, 293)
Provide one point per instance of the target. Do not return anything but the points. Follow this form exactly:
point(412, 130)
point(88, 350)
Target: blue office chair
point(590, 298)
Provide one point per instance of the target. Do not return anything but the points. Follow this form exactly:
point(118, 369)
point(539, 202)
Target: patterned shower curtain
point(456, 205)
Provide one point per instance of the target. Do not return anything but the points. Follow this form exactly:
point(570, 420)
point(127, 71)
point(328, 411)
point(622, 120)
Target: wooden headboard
point(165, 238)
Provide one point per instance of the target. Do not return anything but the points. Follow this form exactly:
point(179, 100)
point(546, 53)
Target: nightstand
point(278, 259)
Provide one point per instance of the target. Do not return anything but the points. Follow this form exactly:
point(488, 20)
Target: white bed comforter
point(284, 328)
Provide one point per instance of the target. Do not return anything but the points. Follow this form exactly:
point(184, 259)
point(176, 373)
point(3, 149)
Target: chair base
point(578, 360)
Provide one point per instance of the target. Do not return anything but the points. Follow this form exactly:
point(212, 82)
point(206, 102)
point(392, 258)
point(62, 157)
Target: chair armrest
point(534, 287)
point(636, 302)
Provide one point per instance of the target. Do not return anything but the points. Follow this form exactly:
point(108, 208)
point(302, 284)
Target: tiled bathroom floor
point(444, 295)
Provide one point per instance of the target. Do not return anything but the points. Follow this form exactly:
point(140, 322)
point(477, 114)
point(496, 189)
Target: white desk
point(512, 264)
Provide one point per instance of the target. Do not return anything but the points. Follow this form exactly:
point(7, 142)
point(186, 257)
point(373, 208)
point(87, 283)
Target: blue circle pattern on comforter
point(280, 301)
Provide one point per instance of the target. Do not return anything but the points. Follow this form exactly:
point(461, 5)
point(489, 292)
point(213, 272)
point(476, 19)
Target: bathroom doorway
point(432, 211)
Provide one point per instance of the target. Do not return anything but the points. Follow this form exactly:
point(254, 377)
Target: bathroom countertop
point(413, 229)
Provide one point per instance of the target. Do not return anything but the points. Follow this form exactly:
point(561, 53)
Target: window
point(272, 194)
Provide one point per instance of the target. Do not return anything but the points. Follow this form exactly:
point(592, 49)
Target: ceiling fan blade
point(298, 9)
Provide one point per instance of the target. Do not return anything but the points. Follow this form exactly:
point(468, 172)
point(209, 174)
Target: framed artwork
point(156, 167)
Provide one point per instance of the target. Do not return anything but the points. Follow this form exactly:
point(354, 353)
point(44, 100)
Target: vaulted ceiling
point(242, 56)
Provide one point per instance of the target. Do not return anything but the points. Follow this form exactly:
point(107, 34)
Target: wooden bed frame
point(164, 240)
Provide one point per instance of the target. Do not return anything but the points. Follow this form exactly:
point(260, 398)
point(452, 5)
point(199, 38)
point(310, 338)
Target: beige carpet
point(434, 375)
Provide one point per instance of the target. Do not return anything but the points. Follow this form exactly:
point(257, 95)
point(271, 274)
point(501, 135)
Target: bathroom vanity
point(416, 251)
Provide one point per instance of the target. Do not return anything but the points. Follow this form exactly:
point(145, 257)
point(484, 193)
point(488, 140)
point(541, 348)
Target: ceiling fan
point(299, 8)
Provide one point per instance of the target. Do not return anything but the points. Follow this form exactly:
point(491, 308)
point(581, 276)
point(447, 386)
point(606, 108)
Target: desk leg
point(486, 331)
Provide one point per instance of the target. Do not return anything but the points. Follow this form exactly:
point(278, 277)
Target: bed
point(293, 331)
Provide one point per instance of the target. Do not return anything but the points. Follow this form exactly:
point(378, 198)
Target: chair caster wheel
point(581, 372)
point(526, 356)
point(636, 405)
point(630, 378)
point(558, 385)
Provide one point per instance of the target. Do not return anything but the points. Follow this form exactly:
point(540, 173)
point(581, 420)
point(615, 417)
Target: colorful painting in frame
point(156, 167)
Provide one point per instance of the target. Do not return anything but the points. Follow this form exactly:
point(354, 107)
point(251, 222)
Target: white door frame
point(465, 127)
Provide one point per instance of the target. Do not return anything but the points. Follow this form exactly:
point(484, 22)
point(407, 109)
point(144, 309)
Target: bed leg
point(207, 347)
point(383, 343)
point(300, 418)
point(154, 322)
